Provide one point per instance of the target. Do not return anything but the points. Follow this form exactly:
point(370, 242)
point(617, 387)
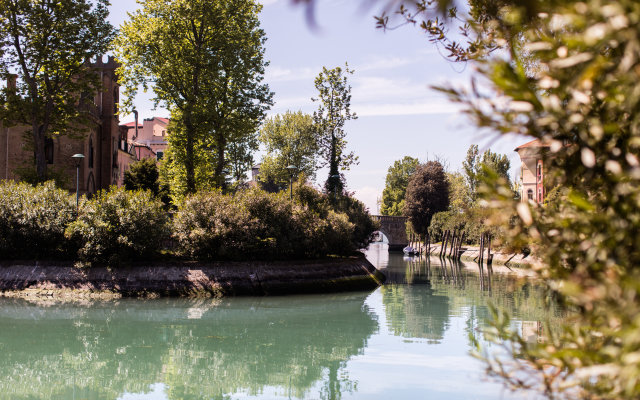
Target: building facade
point(106, 154)
point(151, 134)
point(532, 171)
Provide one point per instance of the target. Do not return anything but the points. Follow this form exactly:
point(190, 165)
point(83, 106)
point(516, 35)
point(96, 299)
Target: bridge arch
point(395, 229)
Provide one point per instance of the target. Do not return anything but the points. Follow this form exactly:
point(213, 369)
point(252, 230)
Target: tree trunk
point(220, 177)
point(189, 162)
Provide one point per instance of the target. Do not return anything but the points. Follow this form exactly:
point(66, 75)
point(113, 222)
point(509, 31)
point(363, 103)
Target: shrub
point(33, 220)
point(355, 210)
point(253, 223)
point(119, 225)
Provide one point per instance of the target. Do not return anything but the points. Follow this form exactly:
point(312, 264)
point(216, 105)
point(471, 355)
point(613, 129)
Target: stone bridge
point(395, 229)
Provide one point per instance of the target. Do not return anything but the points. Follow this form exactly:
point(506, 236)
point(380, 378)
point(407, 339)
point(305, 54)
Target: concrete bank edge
point(189, 279)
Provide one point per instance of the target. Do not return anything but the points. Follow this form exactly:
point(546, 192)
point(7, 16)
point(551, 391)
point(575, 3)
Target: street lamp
point(77, 159)
point(292, 170)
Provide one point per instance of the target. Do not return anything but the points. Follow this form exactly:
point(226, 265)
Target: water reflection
point(409, 339)
point(201, 349)
point(421, 295)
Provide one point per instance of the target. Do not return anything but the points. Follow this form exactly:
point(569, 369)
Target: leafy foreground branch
point(119, 226)
point(569, 77)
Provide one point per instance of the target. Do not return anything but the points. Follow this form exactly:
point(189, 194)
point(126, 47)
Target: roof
point(537, 143)
point(165, 120)
point(131, 125)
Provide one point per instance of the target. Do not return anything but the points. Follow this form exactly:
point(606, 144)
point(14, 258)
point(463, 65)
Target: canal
point(409, 339)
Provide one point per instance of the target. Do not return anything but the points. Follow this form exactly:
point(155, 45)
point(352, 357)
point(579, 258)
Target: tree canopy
point(334, 109)
point(205, 62)
point(289, 139)
point(477, 168)
point(393, 195)
point(427, 194)
point(48, 45)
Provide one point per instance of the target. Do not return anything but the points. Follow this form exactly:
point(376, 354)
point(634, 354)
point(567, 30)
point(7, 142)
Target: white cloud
point(418, 108)
point(280, 74)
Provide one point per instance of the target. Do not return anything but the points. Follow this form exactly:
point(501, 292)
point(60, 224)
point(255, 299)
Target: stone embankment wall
point(189, 279)
point(470, 253)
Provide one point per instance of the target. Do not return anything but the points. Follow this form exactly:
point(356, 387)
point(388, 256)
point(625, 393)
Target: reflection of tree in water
point(418, 310)
point(238, 345)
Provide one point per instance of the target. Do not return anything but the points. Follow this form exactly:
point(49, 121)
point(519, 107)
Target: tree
point(583, 104)
point(458, 193)
point(205, 62)
point(142, 175)
point(48, 45)
point(289, 140)
point(334, 109)
point(477, 168)
point(393, 195)
point(427, 194)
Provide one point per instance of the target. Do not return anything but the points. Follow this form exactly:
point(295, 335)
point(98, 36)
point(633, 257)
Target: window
point(116, 100)
point(48, 150)
point(530, 194)
point(539, 195)
point(159, 155)
point(90, 152)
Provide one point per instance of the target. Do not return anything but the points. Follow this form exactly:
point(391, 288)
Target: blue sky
point(398, 114)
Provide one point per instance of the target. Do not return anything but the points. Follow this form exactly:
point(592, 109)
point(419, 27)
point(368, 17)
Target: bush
point(119, 225)
point(355, 210)
point(33, 220)
point(256, 224)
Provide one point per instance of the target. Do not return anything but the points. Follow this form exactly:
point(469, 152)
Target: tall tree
point(427, 194)
point(289, 140)
point(476, 167)
point(47, 44)
point(458, 192)
point(393, 195)
point(334, 109)
point(205, 62)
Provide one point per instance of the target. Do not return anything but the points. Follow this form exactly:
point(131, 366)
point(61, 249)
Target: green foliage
point(59, 176)
point(33, 219)
point(396, 183)
point(459, 198)
point(582, 100)
point(427, 194)
point(477, 168)
point(47, 44)
point(119, 225)
point(334, 109)
point(206, 62)
point(289, 140)
point(143, 175)
point(253, 223)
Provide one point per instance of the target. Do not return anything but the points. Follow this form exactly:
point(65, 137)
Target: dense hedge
point(33, 220)
point(253, 223)
point(119, 225)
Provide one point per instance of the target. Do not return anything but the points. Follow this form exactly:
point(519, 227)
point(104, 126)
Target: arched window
point(530, 194)
point(48, 150)
point(90, 152)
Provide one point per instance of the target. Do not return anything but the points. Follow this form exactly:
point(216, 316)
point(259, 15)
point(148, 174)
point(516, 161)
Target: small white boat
point(410, 251)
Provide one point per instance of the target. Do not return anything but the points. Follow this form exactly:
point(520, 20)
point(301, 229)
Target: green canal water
point(406, 340)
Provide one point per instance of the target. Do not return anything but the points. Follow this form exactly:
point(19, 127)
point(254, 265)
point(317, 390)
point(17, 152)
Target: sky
point(398, 114)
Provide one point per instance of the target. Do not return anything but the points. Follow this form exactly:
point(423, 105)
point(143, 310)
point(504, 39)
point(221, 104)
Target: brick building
point(532, 171)
point(151, 134)
point(105, 145)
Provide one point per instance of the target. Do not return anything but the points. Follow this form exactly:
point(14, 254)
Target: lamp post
point(292, 169)
point(77, 159)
